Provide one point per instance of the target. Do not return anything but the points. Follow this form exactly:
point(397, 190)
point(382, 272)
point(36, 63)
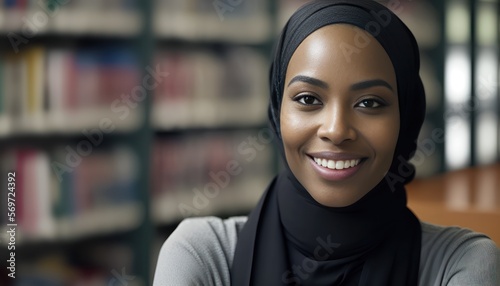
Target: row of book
point(210, 174)
point(201, 20)
point(25, 19)
point(241, 21)
point(70, 191)
point(205, 88)
point(79, 189)
point(59, 90)
point(65, 91)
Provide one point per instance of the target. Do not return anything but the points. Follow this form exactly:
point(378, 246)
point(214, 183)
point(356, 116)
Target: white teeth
point(331, 164)
point(337, 165)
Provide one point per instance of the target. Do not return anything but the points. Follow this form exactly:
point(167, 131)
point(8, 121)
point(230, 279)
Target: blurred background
point(122, 117)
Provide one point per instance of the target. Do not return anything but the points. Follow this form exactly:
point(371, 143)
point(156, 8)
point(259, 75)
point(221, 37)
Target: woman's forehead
point(341, 51)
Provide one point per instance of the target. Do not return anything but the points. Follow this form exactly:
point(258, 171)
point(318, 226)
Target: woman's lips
point(336, 170)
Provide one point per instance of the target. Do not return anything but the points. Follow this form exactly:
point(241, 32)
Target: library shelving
point(212, 147)
point(119, 118)
point(70, 132)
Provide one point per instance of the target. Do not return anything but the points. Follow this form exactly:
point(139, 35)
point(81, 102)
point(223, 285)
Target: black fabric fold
point(261, 263)
point(362, 244)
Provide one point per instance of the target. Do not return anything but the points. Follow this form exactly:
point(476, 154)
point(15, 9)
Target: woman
point(347, 104)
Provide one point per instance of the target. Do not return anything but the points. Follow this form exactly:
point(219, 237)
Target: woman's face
point(339, 114)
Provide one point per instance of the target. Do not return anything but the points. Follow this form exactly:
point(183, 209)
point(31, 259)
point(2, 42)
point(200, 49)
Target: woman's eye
point(308, 100)
point(370, 103)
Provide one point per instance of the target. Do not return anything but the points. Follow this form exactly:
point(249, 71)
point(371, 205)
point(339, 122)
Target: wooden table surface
point(469, 198)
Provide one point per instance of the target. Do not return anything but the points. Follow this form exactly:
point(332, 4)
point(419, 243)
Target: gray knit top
point(200, 252)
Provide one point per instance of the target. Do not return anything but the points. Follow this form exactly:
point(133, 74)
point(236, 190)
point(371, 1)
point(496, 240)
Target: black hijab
point(289, 238)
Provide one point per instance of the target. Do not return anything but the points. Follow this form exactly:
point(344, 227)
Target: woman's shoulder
point(210, 225)
point(452, 240)
point(209, 230)
point(213, 236)
point(199, 250)
point(458, 256)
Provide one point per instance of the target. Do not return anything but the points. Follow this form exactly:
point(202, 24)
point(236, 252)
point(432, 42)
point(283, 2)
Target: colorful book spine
point(54, 202)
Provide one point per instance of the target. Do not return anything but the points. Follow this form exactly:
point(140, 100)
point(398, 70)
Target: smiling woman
point(337, 110)
point(346, 114)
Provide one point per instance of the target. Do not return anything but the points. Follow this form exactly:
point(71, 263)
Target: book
point(210, 89)
point(32, 116)
point(4, 110)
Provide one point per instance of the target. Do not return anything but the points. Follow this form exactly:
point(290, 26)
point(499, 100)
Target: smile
point(336, 164)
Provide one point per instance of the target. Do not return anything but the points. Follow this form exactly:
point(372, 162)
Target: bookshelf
point(69, 128)
point(120, 119)
point(213, 156)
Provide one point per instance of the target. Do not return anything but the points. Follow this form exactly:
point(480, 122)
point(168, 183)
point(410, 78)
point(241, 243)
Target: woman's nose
point(336, 126)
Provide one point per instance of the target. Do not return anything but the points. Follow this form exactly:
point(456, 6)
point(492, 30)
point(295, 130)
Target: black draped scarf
point(289, 238)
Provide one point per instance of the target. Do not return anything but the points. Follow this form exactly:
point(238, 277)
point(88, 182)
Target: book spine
point(35, 76)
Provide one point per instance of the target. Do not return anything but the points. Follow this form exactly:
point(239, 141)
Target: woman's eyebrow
point(371, 83)
point(309, 80)
point(357, 86)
